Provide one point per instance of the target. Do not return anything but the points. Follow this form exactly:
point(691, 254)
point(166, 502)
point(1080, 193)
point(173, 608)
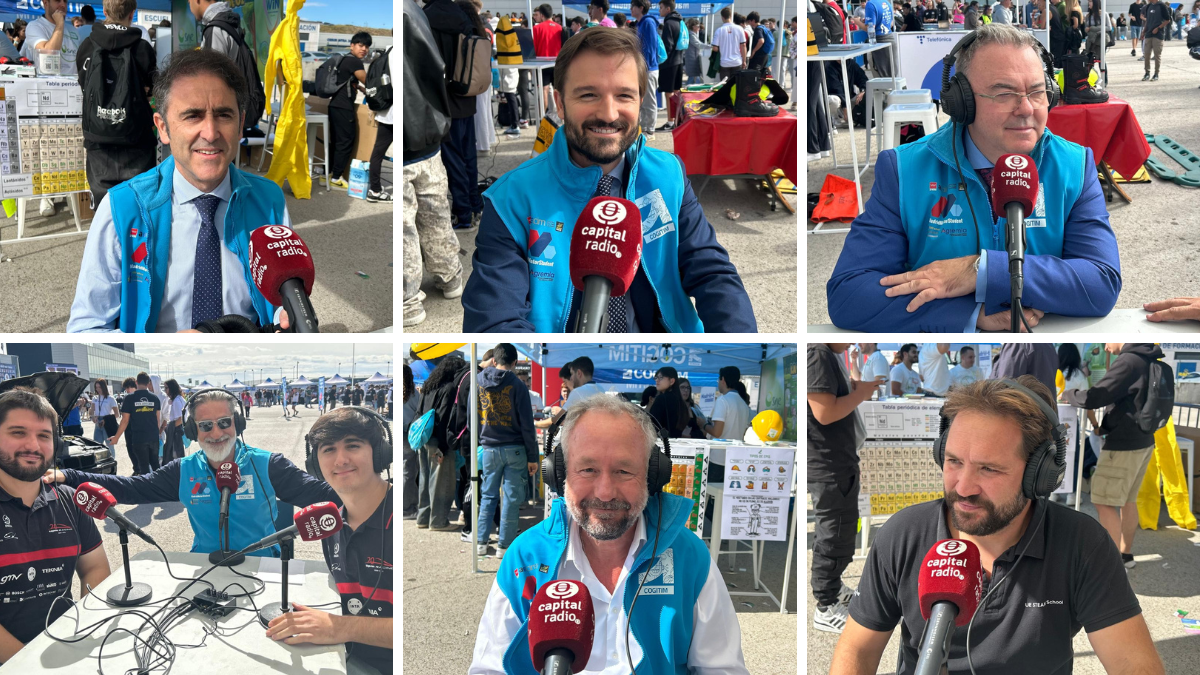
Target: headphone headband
point(189, 424)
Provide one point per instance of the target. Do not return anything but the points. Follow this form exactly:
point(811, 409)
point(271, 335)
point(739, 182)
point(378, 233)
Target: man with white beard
point(214, 420)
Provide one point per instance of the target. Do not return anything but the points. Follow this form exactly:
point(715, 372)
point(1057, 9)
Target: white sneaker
point(454, 291)
point(500, 552)
point(46, 208)
point(481, 549)
point(831, 619)
point(845, 595)
point(414, 320)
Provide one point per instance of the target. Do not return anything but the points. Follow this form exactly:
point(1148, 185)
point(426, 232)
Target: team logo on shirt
point(59, 528)
point(354, 605)
point(31, 574)
point(661, 578)
point(378, 564)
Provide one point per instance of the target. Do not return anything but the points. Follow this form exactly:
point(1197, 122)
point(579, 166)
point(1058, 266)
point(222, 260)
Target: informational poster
point(758, 483)
point(321, 393)
point(41, 142)
point(689, 478)
point(900, 418)
point(1069, 415)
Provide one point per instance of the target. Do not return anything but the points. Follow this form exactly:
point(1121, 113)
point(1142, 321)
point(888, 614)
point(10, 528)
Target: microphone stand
point(130, 594)
point(593, 309)
point(269, 612)
point(935, 639)
point(225, 556)
point(1016, 263)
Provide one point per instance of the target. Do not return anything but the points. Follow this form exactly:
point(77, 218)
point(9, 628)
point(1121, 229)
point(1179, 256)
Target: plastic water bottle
point(870, 31)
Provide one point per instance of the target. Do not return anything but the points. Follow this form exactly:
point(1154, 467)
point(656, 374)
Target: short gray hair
point(613, 405)
point(212, 396)
point(995, 34)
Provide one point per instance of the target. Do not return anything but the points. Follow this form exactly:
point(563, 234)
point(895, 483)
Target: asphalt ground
point(1157, 237)
point(345, 236)
point(444, 599)
point(1164, 581)
point(761, 242)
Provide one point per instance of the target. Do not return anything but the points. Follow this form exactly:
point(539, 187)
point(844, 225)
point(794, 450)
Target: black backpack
point(379, 83)
point(1160, 398)
point(246, 62)
point(326, 84)
point(112, 113)
point(833, 23)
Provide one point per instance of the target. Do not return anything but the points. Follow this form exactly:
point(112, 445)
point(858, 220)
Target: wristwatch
point(978, 260)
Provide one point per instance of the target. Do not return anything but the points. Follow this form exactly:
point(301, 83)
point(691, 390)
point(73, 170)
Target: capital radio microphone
point(1014, 195)
point(562, 624)
point(98, 503)
point(311, 523)
point(948, 588)
point(606, 249)
point(228, 478)
point(282, 268)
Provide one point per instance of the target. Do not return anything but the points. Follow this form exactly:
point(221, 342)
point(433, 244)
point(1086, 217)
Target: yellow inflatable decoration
point(768, 426)
point(290, 161)
point(1165, 463)
point(431, 350)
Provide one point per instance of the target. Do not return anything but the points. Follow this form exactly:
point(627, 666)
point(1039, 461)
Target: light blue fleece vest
point(141, 212)
point(935, 212)
point(663, 622)
point(252, 509)
point(540, 201)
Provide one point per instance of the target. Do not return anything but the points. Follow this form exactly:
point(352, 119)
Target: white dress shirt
point(716, 647)
point(97, 302)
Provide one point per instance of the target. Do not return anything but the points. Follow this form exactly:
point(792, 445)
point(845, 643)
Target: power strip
point(213, 603)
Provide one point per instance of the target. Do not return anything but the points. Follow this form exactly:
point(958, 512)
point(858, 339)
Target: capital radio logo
point(951, 547)
point(609, 212)
point(946, 207)
point(562, 590)
point(328, 522)
point(277, 232)
point(1017, 162)
point(81, 498)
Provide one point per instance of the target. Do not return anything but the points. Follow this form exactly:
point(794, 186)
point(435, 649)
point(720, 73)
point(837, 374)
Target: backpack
point(112, 112)
point(472, 73)
point(834, 28)
point(768, 47)
point(326, 84)
point(379, 82)
point(662, 48)
point(421, 430)
point(246, 62)
point(684, 39)
point(1160, 398)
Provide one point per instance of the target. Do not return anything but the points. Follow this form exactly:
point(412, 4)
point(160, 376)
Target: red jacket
point(547, 38)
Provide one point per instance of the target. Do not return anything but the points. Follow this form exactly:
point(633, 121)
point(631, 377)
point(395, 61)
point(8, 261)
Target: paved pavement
point(1156, 235)
point(443, 601)
point(761, 242)
point(345, 236)
point(1164, 581)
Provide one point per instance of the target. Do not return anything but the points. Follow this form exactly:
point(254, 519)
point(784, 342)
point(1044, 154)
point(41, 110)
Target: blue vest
point(936, 214)
point(252, 509)
point(141, 213)
point(540, 201)
point(663, 624)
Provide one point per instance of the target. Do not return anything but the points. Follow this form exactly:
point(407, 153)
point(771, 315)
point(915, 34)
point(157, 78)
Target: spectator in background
point(695, 421)
point(104, 408)
point(935, 369)
point(535, 399)
point(648, 395)
point(438, 472)
point(874, 364)
point(142, 417)
point(52, 31)
point(647, 32)
point(1157, 18)
point(970, 18)
point(577, 24)
point(619, 20)
point(88, 15)
point(598, 14)
point(693, 64)
point(16, 34)
point(966, 371)
point(730, 418)
point(904, 380)
point(730, 42)
point(670, 72)
point(547, 43)
point(759, 49)
point(383, 141)
point(1017, 358)
point(73, 423)
point(668, 408)
point(343, 113)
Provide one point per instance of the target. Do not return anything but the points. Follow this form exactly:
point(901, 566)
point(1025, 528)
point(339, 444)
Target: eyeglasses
point(222, 423)
point(1010, 101)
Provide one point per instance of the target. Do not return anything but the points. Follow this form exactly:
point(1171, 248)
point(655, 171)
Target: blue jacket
point(917, 214)
point(663, 625)
point(266, 476)
point(647, 32)
point(520, 284)
point(141, 209)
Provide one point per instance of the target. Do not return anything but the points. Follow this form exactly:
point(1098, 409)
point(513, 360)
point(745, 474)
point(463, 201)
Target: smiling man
point(928, 253)
point(522, 280)
point(1066, 573)
point(168, 250)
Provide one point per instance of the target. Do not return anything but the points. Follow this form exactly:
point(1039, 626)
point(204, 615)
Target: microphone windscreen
point(228, 476)
point(607, 242)
point(94, 500)
point(951, 572)
point(277, 254)
point(561, 617)
point(318, 521)
point(1014, 179)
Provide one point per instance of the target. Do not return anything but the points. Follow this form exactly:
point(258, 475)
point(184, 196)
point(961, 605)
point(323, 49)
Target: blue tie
point(206, 282)
point(617, 321)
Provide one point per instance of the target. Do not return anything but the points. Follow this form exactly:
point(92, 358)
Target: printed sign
point(758, 482)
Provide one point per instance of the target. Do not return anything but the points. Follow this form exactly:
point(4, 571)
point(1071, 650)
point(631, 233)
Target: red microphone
point(1014, 194)
point(562, 624)
point(948, 589)
point(311, 523)
point(282, 268)
point(606, 249)
point(97, 502)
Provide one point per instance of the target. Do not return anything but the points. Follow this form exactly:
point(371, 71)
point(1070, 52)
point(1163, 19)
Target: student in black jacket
point(669, 409)
point(670, 72)
point(438, 473)
point(1127, 449)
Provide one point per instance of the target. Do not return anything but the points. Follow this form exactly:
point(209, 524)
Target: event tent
point(377, 378)
point(268, 384)
point(337, 379)
point(302, 382)
point(235, 385)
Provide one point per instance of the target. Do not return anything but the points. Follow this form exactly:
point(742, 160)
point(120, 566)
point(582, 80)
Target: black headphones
point(381, 455)
point(1045, 468)
point(554, 466)
point(189, 424)
point(958, 100)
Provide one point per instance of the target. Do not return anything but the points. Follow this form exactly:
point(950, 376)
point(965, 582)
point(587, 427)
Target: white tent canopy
point(337, 379)
point(235, 385)
point(377, 378)
point(302, 382)
point(268, 384)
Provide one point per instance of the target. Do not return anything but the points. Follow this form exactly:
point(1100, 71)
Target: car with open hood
point(63, 391)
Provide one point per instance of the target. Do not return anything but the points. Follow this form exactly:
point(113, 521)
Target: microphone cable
point(653, 555)
point(1045, 513)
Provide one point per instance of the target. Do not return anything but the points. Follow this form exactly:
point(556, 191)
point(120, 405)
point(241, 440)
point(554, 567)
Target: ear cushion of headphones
point(959, 100)
point(939, 445)
point(658, 473)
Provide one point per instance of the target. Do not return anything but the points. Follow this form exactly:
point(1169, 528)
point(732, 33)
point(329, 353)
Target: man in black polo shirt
point(141, 416)
point(360, 554)
point(835, 433)
point(1066, 572)
point(45, 538)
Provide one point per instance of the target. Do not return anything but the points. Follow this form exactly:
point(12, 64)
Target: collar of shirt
point(974, 157)
point(618, 174)
point(185, 192)
point(1037, 546)
point(45, 494)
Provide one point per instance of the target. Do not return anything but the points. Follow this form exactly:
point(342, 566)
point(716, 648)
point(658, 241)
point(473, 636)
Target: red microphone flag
point(607, 242)
point(1014, 179)
point(228, 476)
point(951, 572)
point(318, 521)
point(277, 254)
point(94, 500)
point(561, 617)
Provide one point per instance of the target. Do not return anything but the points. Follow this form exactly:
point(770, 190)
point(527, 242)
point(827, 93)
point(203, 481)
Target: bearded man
point(214, 420)
point(608, 534)
point(522, 279)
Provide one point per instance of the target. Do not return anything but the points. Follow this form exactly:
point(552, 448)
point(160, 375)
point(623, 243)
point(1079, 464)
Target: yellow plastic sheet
point(290, 161)
point(1167, 464)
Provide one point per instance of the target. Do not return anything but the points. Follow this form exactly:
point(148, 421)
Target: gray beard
point(219, 455)
point(605, 530)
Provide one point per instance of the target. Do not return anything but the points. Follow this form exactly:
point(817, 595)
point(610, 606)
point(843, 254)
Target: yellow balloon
point(431, 350)
point(768, 425)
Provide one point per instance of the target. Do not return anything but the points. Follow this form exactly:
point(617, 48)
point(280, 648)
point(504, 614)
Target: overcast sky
point(219, 364)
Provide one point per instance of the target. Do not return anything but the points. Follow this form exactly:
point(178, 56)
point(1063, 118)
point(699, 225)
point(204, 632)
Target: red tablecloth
point(726, 144)
point(1110, 129)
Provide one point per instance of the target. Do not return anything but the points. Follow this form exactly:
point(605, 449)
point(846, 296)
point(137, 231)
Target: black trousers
point(459, 156)
point(383, 138)
point(836, 507)
point(412, 471)
point(110, 165)
point(144, 456)
point(343, 128)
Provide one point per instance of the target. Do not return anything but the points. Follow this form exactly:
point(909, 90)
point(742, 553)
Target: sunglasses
point(222, 423)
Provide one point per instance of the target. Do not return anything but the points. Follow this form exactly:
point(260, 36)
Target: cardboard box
point(363, 144)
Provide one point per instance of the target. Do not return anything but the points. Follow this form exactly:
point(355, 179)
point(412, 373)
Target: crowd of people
point(982, 415)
